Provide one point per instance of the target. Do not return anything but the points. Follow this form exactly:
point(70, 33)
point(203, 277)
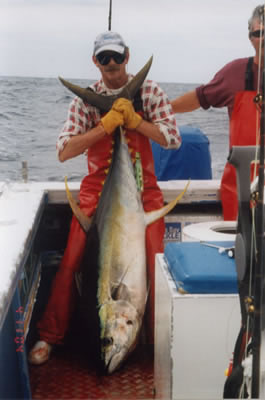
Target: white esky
point(189, 39)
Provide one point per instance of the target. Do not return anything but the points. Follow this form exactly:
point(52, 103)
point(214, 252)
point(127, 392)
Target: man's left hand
point(131, 118)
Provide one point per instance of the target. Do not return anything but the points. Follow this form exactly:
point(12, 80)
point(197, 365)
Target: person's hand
point(131, 118)
point(112, 120)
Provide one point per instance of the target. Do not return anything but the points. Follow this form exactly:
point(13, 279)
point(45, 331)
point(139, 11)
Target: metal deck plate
point(68, 375)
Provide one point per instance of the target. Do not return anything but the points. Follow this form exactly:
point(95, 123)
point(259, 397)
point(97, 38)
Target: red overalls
point(55, 321)
point(243, 123)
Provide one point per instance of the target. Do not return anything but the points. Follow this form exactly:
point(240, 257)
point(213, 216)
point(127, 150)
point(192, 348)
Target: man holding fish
point(144, 112)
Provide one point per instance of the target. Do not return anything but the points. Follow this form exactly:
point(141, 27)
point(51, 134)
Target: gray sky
point(189, 39)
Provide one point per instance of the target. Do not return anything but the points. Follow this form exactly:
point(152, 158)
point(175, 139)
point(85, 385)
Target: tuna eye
point(108, 341)
point(129, 322)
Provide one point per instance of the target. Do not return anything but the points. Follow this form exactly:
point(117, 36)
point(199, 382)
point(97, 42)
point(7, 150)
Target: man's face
point(112, 66)
point(256, 36)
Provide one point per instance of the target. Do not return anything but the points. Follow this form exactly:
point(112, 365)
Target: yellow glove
point(131, 118)
point(111, 121)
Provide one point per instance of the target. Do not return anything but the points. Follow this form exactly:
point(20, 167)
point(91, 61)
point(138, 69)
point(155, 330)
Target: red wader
point(243, 127)
point(55, 321)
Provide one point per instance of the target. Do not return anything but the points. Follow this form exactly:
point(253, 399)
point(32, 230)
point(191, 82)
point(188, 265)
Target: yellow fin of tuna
point(83, 219)
point(153, 216)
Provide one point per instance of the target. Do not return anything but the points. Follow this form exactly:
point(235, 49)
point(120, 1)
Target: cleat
point(40, 353)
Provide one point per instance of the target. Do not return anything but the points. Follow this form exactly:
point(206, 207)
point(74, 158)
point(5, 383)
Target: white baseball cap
point(109, 41)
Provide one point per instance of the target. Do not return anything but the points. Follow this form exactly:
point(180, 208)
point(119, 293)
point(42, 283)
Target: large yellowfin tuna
point(116, 248)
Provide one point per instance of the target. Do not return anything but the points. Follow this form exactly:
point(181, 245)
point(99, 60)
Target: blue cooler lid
point(191, 161)
point(197, 268)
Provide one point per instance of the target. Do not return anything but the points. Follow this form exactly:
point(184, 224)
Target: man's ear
point(127, 56)
point(95, 61)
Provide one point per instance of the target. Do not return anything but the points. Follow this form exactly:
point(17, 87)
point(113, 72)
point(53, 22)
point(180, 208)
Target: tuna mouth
point(116, 359)
point(108, 367)
point(112, 366)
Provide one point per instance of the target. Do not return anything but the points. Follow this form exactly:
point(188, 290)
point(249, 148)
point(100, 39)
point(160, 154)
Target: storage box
point(191, 161)
point(195, 336)
point(202, 268)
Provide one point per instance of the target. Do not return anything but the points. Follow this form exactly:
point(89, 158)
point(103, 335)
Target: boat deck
point(69, 375)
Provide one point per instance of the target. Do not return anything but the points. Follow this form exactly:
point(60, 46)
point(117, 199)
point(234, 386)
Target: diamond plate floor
point(68, 375)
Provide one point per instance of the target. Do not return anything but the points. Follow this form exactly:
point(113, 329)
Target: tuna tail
point(153, 216)
point(104, 103)
point(84, 221)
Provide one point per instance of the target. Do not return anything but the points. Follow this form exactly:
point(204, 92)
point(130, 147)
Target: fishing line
point(259, 90)
point(247, 379)
point(259, 275)
point(253, 246)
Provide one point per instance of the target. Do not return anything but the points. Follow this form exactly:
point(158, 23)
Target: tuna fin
point(121, 293)
point(84, 221)
point(153, 216)
point(134, 85)
point(103, 102)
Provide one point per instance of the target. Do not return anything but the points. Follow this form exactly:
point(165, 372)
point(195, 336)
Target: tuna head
point(120, 326)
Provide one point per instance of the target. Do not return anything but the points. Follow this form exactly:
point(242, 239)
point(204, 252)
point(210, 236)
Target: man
point(86, 130)
point(234, 87)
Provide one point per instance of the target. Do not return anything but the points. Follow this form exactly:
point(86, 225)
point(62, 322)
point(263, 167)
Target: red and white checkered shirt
point(156, 107)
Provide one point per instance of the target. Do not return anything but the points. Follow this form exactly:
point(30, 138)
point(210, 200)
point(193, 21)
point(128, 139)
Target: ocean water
point(32, 113)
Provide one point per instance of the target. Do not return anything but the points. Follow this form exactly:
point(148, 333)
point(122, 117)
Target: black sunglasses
point(257, 33)
point(104, 58)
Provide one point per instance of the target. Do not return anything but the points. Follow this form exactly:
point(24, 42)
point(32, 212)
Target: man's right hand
point(112, 120)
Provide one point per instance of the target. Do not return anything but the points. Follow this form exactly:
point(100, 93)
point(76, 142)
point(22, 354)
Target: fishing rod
point(258, 321)
point(110, 14)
